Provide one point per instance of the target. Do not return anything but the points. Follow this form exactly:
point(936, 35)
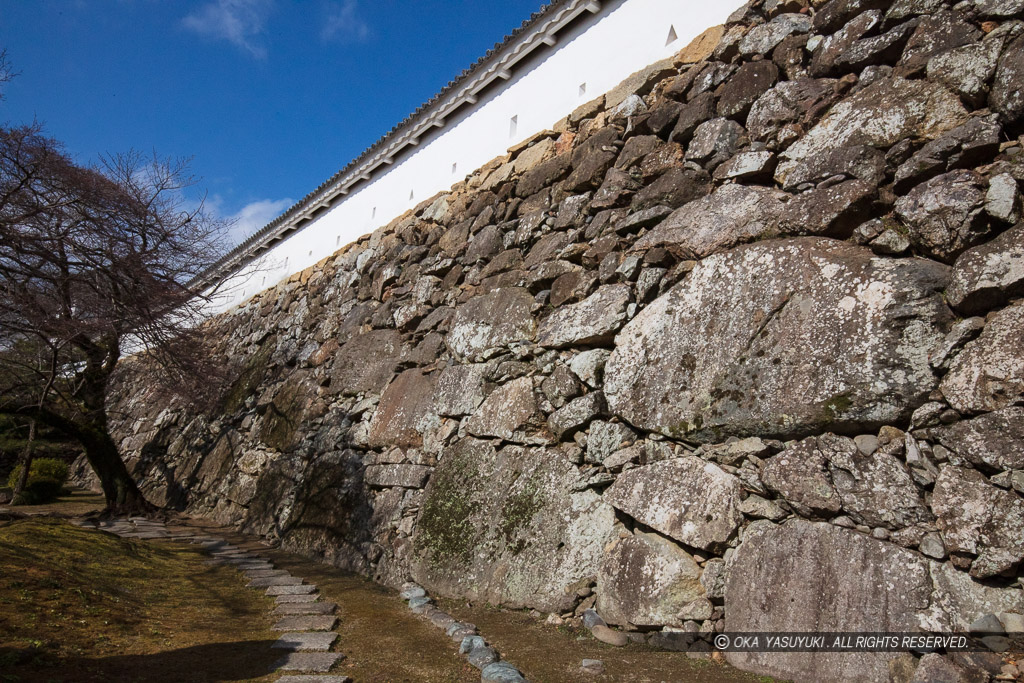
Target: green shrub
point(46, 479)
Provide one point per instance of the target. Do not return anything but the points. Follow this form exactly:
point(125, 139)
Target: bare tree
point(94, 263)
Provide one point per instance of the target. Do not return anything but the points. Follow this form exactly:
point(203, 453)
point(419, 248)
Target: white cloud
point(252, 217)
point(342, 22)
point(240, 22)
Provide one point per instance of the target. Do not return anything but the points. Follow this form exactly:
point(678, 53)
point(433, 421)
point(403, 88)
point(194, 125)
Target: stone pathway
point(305, 622)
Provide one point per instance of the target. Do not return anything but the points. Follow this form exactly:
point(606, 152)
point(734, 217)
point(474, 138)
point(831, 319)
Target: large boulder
point(994, 439)
point(800, 475)
point(646, 580)
point(806, 576)
point(1006, 96)
point(513, 527)
point(980, 519)
point(367, 362)
point(595, 320)
point(486, 324)
point(988, 275)
point(688, 499)
point(506, 411)
point(820, 476)
point(405, 412)
point(945, 215)
point(880, 115)
point(786, 338)
point(989, 373)
point(730, 216)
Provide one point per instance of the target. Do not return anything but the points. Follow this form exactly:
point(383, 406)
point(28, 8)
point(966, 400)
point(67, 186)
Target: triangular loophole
point(672, 36)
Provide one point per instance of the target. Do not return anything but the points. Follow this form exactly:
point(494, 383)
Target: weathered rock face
point(778, 338)
point(945, 214)
point(647, 581)
point(986, 276)
point(819, 477)
point(989, 373)
point(814, 571)
point(994, 439)
point(884, 113)
point(731, 216)
point(488, 323)
point(527, 390)
point(507, 527)
point(688, 499)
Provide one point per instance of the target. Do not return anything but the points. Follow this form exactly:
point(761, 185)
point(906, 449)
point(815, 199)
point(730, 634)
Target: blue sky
point(268, 97)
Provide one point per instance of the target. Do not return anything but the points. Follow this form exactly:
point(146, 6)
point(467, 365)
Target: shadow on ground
point(240, 661)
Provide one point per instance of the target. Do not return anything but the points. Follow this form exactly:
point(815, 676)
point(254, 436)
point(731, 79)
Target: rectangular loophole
point(513, 126)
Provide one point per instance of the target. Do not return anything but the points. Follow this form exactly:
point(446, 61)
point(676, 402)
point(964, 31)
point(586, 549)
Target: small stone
point(890, 242)
point(866, 444)
point(421, 601)
point(591, 619)
point(609, 636)
point(1002, 201)
point(470, 643)
point(931, 545)
point(589, 366)
point(576, 414)
point(592, 666)
point(987, 623)
point(759, 508)
point(481, 657)
point(410, 593)
point(1012, 622)
point(501, 672)
point(314, 679)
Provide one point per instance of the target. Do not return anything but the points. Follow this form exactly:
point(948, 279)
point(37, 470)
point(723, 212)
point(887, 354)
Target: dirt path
point(383, 642)
point(548, 654)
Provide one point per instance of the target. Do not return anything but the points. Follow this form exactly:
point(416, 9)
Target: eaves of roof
point(538, 30)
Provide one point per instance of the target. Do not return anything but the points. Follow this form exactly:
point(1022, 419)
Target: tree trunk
point(123, 496)
point(26, 462)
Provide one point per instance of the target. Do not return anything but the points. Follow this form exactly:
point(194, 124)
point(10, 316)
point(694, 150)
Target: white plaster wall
point(626, 36)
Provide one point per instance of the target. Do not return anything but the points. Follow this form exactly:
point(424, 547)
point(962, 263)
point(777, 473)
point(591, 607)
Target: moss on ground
point(82, 605)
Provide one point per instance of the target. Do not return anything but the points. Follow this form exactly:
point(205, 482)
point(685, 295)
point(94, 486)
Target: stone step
point(317, 662)
point(306, 623)
point(303, 608)
point(297, 598)
point(264, 573)
point(291, 590)
point(306, 641)
point(287, 580)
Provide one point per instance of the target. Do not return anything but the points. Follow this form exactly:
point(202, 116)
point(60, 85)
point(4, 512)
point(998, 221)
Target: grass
point(82, 605)
point(75, 504)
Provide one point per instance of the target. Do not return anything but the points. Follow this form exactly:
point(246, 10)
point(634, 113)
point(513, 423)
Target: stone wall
point(737, 346)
